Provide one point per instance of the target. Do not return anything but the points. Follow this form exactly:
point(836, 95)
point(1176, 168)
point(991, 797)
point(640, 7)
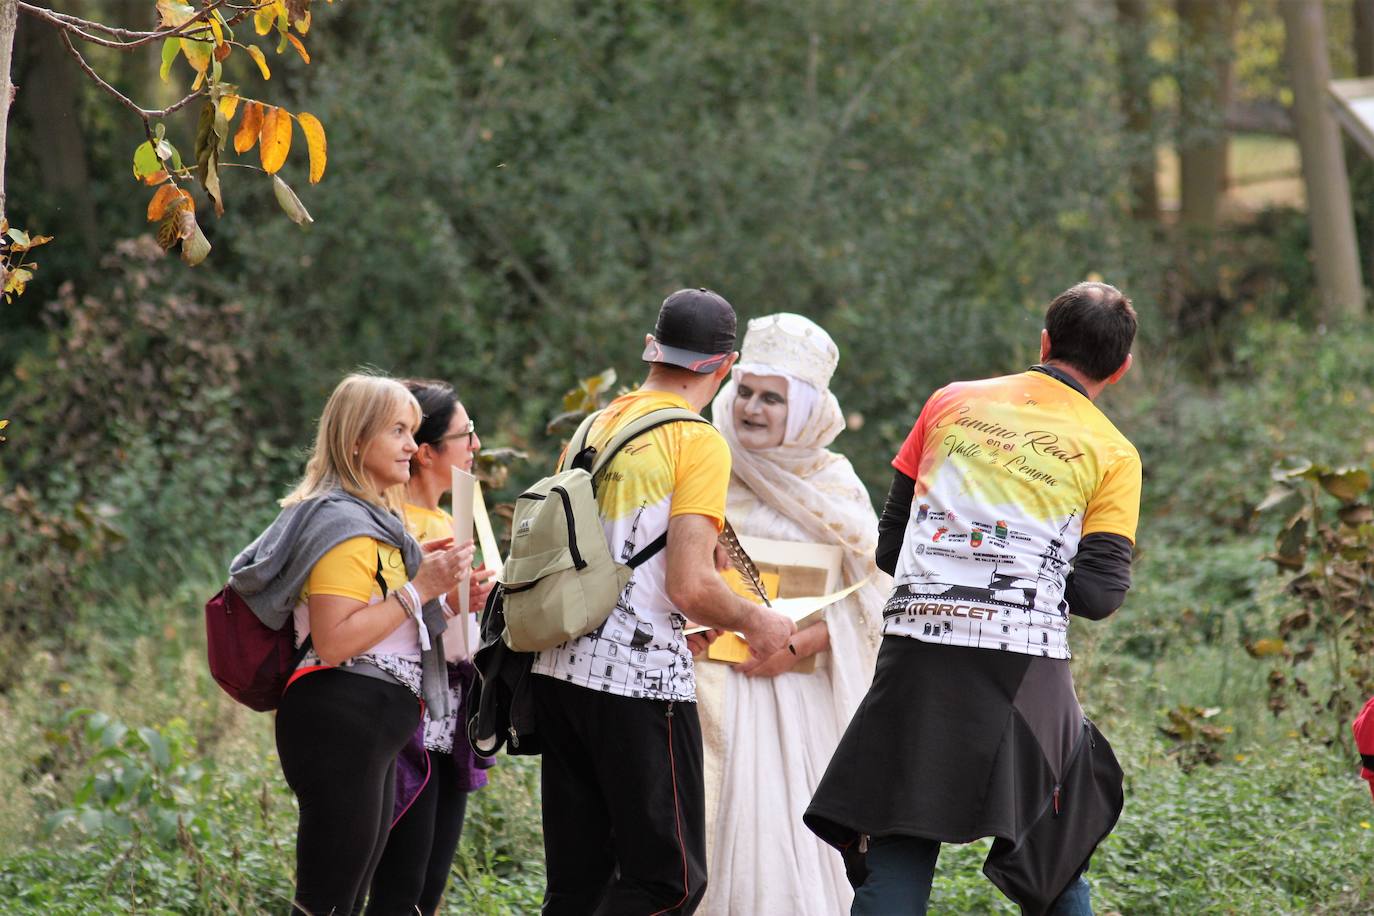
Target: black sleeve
point(1101, 575)
point(892, 525)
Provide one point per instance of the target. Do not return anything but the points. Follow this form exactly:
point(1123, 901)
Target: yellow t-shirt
point(678, 469)
point(428, 524)
point(349, 570)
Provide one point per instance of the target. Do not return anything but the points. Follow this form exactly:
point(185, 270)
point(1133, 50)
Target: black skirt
point(954, 744)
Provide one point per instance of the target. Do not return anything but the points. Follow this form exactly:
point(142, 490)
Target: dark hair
point(437, 403)
point(1091, 327)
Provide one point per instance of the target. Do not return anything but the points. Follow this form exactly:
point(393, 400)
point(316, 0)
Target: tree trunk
point(9, 18)
point(1364, 37)
point(1208, 27)
point(1323, 161)
point(53, 138)
point(1364, 67)
point(1133, 49)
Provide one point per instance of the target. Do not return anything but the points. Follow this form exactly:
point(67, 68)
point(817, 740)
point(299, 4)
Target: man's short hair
point(1091, 327)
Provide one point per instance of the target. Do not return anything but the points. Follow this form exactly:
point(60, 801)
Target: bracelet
point(403, 601)
point(415, 611)
point(414, 594)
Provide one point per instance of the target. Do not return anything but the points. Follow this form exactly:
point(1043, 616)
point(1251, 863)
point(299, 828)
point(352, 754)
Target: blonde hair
point(361, 408)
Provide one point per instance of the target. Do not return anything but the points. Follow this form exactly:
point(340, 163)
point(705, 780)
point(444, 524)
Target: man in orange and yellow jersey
point(1014, 505)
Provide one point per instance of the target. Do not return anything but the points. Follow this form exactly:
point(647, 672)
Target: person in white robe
point(770, 730)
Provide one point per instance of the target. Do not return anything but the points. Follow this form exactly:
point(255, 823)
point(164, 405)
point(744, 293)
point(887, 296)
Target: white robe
point(767, 743)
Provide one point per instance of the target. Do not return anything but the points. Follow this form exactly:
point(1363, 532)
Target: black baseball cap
point(695, 330)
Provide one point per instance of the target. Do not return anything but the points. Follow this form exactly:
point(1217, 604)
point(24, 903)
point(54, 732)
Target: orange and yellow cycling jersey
point(1010, 474)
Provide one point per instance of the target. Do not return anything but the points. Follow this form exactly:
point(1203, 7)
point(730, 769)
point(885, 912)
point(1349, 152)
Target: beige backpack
point(560, 580)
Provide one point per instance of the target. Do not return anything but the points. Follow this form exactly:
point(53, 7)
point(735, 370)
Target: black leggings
point(338, 735)
point(419, 852)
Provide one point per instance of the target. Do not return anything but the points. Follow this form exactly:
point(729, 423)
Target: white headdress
point(799, 350)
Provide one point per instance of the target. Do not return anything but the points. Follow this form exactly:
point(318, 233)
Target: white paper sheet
point(801, 608)
point(464, 492)
point(486, 538)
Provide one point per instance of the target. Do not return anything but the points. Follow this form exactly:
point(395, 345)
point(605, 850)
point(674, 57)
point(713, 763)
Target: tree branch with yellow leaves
point(200, 32)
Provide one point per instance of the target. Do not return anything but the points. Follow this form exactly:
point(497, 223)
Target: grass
point(1280, 826)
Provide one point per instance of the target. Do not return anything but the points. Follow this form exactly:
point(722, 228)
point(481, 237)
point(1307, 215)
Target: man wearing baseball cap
point(622, 791)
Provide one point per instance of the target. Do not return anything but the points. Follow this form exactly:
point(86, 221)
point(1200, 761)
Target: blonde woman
point(366, 615)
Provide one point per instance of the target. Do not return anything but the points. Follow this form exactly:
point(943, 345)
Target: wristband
point(409, 589)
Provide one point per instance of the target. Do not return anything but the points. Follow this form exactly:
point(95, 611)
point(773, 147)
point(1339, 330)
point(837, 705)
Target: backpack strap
point(638, 427)
point(649, 550)
point(381, 583)
point(650, 421)
point(578, 443)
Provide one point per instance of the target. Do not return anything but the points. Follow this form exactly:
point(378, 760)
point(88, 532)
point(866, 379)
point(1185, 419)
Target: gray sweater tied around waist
point(270, 572)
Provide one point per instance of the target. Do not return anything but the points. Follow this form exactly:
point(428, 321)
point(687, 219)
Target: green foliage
point(1275, 832)
point(852, 164)
point(127, 428)
point(139, 780)
point(1206, 447)
point(1325, 549)
point(500, 865)
point(173, 805)
point(49, 555)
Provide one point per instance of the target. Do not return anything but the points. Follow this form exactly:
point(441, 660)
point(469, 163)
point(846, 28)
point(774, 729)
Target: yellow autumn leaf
point(1265, 647)
point(198, 53)
point(249, 127)
point(275, 141)
point(256, 53)
point(264, 18)
point(316, 143)
point(300, 48)
point(172, 14)
point(216, 31)
point(228, 105)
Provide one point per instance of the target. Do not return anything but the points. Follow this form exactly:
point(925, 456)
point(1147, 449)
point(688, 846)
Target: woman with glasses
point(437, 770)
point(770, 725)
